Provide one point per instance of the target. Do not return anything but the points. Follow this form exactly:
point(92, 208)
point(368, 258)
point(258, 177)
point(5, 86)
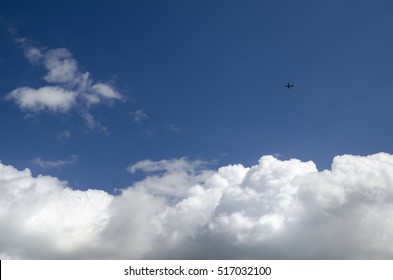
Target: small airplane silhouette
point(288, 85)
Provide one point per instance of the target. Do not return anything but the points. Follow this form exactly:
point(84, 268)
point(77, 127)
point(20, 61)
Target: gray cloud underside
point(273, 210)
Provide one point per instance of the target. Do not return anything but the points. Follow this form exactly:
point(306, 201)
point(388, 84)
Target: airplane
point(288, 85)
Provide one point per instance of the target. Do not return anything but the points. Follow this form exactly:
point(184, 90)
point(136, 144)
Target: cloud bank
point(69, 87)
point(182, 210)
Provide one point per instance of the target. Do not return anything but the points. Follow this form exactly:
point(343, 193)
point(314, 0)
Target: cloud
point(33, 54)
point(170, 166)
point(61, 66)
point(48, 218)
point(55, 163)
point(138, 116)
point(70, 88)
point(174, 128)
point(275, 209)
point(63, 136)
point(106, 91)
point(172, 178)
point(52, 98)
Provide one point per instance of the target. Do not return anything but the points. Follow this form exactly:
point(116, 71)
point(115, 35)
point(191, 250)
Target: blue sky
point(206, 79)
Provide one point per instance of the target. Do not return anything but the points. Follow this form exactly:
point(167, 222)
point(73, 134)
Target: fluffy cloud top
point(275, 209)
point(172, 178)
point(72, 89)
point(44, 218)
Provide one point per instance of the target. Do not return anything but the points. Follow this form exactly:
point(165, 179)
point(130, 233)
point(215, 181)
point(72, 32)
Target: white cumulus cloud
point(170, 177)
point(61, 66)
point(50, 98)
point(274, 209)
point(42, 217)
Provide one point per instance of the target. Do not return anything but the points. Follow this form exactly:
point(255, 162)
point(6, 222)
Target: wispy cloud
point(171, 165)
point(138, 116)
point(69, 88)
point(273, 210)
point(46, 164)
point(174, 128)
point(63, 136)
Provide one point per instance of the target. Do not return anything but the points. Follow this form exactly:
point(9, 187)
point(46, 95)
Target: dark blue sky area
point(209, 76)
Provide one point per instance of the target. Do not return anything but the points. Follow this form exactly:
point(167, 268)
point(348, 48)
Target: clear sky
point(158, 95)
